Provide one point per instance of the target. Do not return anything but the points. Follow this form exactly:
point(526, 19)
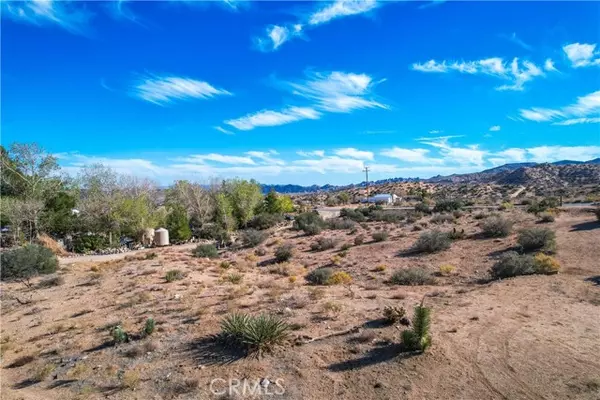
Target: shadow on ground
point(585, 226)
point(594, 279)
point(211, 351)
point(374, 356)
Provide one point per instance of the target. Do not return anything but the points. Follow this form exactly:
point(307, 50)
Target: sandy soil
point(535, 337)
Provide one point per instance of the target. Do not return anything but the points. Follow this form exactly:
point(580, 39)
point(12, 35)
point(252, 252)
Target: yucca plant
point(119, 335)
point(233, 327)
point(264, 332)
point(418, 338)
point(149, 327)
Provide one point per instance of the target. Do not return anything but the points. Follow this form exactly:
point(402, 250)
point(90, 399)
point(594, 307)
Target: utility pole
point(366, 171)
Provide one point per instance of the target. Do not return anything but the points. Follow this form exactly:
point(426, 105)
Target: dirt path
point(119, 256)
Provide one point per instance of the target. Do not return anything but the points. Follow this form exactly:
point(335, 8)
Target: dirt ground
point(533, 337)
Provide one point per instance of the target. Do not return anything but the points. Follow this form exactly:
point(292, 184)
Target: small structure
point(161, 237)
point(382, 199)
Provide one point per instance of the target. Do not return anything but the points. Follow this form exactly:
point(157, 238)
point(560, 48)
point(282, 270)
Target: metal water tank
point(161, 237)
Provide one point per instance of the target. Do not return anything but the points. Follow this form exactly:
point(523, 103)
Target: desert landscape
point(524, 337)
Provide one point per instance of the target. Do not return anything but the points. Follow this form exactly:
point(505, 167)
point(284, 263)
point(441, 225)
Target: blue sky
point(302, 92)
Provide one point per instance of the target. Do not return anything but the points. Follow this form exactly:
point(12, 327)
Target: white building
point(382, 198)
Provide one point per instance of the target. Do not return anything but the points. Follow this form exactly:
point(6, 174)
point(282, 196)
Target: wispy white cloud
point(512, 155)
point(273, 118)
point(223, 130)
point(65, 14)
point(468, 155)
point(277, 34)
point(219, 158)
point(354, 153)
point(515, 39)
point(338, 91)
point(576, 113)
point(341, 8)
point(318, 153)
point(417, 156)
point(549, 65)
point(378, 132)
point(515, 72)
point(495, 128)
point(166, 89)
point(582, 54)
point(557, 153)
point(266, 158)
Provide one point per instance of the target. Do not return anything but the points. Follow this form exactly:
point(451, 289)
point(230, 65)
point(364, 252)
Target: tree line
point(96, 206)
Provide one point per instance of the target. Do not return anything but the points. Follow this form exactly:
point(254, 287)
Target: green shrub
point(481, 215)
point(537, 239)
point(380, 236)
point(284, 252)
point(547, 217)
point(252, 237)
point(431, 242)
point(149, 327)
point(26, 262)
point(456, 234)
point(513, 264)
point(214, 232)
point(235, 278)
point(447, 205)
point(442, 219)
point(360, 239)
point(423, 207)
point(205, 250)
point(352, 214)
point(412, 276)
point(258, 334)
point(311, 223)
point(119, 335)
point(418, 338)
point(337, 223)
point(86, 243)
point(178, 225)
point(319, 276)
point(545, 264)
point(323, 243)
point(50, 282)
point(265, 221)
point(346, 247)
point(393, 314)
point(174, 275)
point(496, 226)
point(387, 215)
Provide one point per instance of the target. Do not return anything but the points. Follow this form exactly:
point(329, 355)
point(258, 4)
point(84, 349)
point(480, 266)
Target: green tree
point(58, 218)
point(223, 211)
point(343, 197)
point(277, 204)
point(178, 225)
point(243, 197)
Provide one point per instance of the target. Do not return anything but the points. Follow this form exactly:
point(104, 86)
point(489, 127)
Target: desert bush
point(265, 221)
point(323, 243)
point(545, 264)
point(506, 206)
point(456, 234)
point(544, 205)
point(496, 226)
point(447, 205)
point(380, 236)
point(418, 338)
point(151, 255)
point(423, 207)
point(352, 214)
point(26, 262)
point(119, 335)
point(52, 281)
point(258, 334)
point(481, 215)
point(458, 214)
point(205, 250)
point(339, 278)
point(513, 264)
point(387, 215)
point(284, 252)
point(319, 276)
point(149, 327)
point(253, 237)
point(431, 242)
point(174, 275)
point(225, 264)
point(336, 259)
point(597, 212)
point(380, 268)
point(214, 232)
point(337, 223)
point(311, 223)
point(413, 217)
point(85, 243)
point(260, 251)
point(346, 247)
point(393, 314)
point(360, 239)
point(442, 219)
point(412, 276)
point(537, 239)
point(447, 269)
point(547, 217)
point(235, 278)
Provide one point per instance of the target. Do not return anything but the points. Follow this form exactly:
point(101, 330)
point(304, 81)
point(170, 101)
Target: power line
point(366, 171)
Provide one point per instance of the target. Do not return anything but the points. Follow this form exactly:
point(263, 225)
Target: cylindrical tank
point(161, 237)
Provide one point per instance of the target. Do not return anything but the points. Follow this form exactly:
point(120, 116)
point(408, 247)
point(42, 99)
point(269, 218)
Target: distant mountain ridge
point(585, 172)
